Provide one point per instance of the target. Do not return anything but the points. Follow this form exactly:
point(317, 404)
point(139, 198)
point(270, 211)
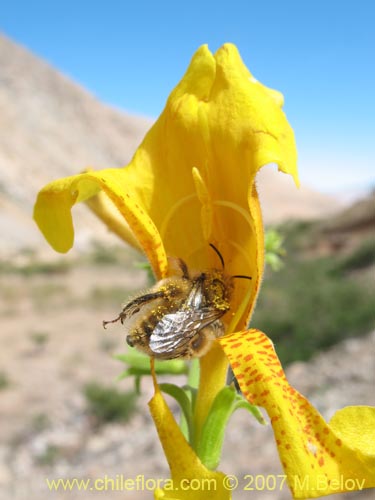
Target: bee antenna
point(242, 276)
point(218, 254)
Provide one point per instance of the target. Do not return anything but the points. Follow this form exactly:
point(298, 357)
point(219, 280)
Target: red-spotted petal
point(318, 459)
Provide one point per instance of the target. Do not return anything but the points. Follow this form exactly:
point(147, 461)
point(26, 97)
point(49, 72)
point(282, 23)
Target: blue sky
point(319, 53)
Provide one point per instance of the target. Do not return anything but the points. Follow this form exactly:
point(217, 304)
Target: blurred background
point(80, 84)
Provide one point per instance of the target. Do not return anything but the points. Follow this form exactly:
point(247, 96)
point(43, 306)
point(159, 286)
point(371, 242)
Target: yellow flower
point(191, 183)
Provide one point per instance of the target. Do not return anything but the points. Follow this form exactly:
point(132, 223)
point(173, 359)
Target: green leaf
point(137, 385)
point(147, 267)
point(192, 393)
point(254, 410)
point(185, 404)
point(139, 366)
point(184, 426)
point(274, 261)
point(194, 370)
point(274, 249)
point(140, 363)
point(212, 437)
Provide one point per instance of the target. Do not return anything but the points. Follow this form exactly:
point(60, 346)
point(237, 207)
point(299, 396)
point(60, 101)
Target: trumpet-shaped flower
point(191, 183)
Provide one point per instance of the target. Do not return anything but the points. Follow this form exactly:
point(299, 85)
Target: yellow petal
point(318, 459)
point(221, 126)
point(356, 425)
point(105, 210)
point(191, 479)
point(52, 211)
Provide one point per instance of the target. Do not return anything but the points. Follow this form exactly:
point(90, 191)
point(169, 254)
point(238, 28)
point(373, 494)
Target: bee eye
point(129, 341)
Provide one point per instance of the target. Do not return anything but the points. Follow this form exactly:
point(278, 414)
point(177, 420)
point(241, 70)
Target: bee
point(180, 316)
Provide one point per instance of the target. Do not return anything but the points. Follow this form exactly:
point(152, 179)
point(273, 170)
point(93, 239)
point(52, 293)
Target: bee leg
point(184, 269)
point(176, 266)
point(231, 379)
point(134, 306)
point(105, 323)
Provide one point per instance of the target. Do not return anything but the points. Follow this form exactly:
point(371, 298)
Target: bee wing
point(174, 331)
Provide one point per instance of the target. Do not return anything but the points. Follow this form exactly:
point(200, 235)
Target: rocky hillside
point(51, 127)
point(53, 333)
